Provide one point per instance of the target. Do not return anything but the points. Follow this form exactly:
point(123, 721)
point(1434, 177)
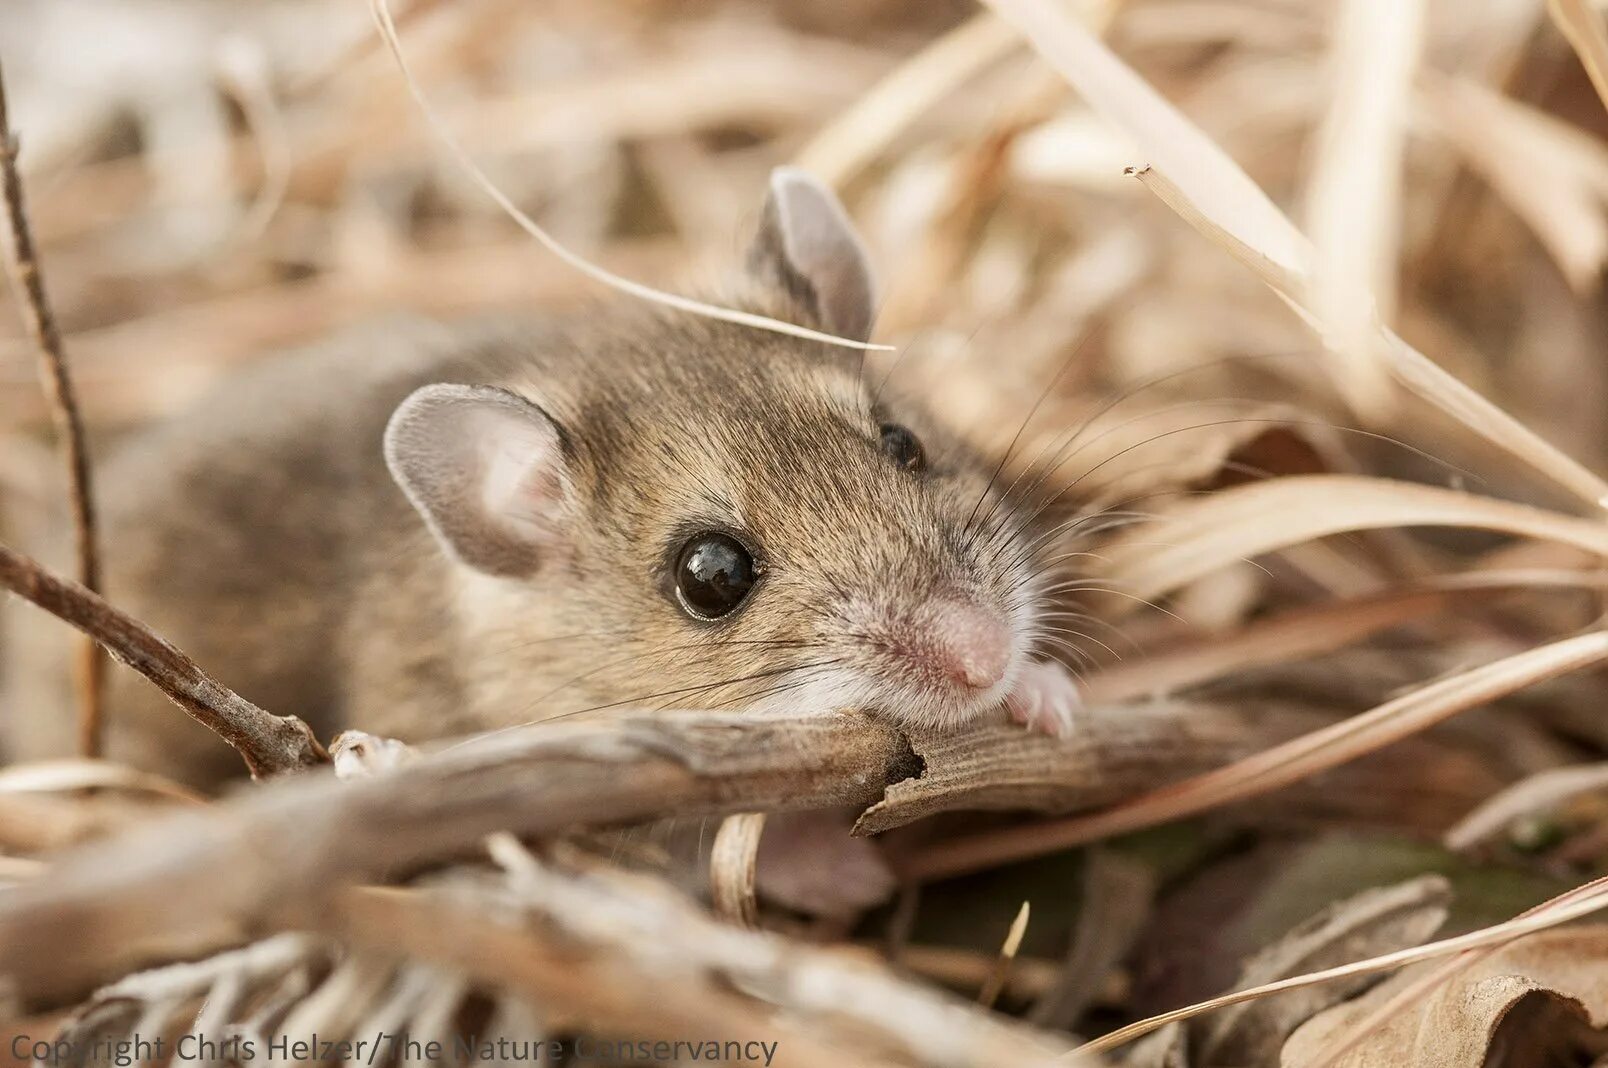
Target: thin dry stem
point(1008, 949)
point(281, 853)
point(28, 282)
point(1202, 535)
point(269, 744)
point(733, 865)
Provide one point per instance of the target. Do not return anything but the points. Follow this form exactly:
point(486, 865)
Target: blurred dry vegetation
point(212, 180)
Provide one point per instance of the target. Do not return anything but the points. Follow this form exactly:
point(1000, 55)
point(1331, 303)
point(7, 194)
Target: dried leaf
point(1561, 911)
point(1373, 922)
point(1454, 1028)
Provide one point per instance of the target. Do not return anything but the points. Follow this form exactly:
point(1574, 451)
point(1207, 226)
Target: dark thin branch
point(29, 283)
point(269, 744)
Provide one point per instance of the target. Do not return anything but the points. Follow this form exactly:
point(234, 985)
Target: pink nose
point(970, 644)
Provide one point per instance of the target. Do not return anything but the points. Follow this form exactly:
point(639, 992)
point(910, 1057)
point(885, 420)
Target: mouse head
point(708, 515)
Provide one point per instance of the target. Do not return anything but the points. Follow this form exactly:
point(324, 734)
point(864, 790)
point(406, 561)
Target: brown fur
point(263, 534)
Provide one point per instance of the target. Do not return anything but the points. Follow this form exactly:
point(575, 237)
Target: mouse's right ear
point(807, 245)
point(487, 471)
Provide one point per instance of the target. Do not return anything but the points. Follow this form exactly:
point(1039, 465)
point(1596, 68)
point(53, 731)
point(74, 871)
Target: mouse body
point(424, 530)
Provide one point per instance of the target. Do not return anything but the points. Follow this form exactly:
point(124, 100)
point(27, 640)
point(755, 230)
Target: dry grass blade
point(27, 278)
point(1554, 175)
point(1171, 142)
point(841, 150)
point(56, 776)
point(1007, 955)
point(19, 869)
point(1496, 935)
point(1543, 790)
point(733, 862)
point(1225, 205)
point(387, 28)
point(1415, 370)
point(1303, 632)
point(1581, 22)
point(246, 69)
point(1278, 766)
point(1353, 198)
point(1202, 535)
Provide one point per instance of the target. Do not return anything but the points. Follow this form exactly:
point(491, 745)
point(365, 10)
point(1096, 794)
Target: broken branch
point(269, 744)
point(226, 872)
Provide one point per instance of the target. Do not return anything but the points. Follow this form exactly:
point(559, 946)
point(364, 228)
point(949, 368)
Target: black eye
point(713, 575)
point(902, 445)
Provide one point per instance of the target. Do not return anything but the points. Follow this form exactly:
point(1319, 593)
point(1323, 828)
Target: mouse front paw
point(1045, 699)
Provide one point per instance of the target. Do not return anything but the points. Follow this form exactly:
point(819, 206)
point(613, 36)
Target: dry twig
point(28, 281)
point(269, 744)
point(277, 855)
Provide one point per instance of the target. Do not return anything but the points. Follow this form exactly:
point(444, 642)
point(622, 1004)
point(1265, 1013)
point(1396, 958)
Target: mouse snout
point(969, 644)
point(943, 647)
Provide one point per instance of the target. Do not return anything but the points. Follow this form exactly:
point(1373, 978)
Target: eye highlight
point(902, 447)
point(714, 573)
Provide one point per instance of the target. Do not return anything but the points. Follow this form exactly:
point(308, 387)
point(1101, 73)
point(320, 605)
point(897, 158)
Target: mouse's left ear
point(807, 245)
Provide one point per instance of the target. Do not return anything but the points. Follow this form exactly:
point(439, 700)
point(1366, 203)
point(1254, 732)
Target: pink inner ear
point(485, 469)
point(520, 481)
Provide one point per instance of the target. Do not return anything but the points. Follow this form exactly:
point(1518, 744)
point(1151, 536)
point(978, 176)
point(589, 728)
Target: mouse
point(424, 529)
